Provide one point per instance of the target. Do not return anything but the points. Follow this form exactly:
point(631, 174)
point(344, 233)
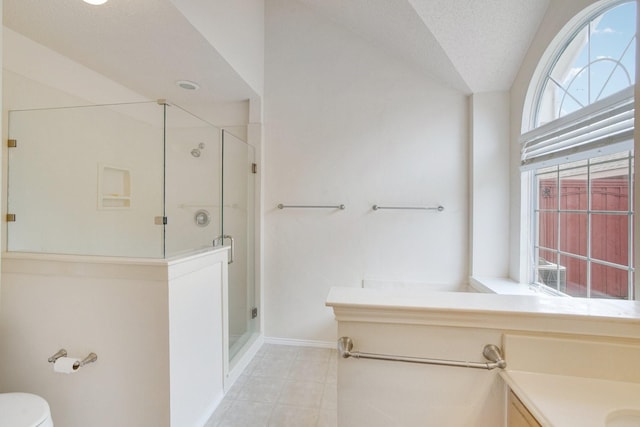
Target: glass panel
point(548, 191)
point(548, 230)
point(573, 168)
point(599, 61)
point(574, 198)
point(612, 49)
point(610, 238)
point(548, 104)
point(87, 180)
point(575, 280)
point(238, 222)
point(549, 271)
point(548, 207)
point(609, 282)
point(193, 182)
point(610, 184)
point(573, 233)
point(569, 73)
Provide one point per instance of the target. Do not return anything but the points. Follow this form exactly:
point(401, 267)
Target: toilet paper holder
point(91, 357)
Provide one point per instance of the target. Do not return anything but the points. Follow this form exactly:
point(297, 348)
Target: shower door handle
point(232, 249)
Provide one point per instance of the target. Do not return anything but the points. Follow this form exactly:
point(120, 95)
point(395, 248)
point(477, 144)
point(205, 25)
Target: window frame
point(529, 174)
point(590, 213)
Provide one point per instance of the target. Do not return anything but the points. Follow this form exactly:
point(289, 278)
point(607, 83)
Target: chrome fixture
point(281, 206)
point(419, 208)
point(91, 357)
point(220, 241)
point(202, 218)
point(491, 352)
point(60, 353)
point(196, 152)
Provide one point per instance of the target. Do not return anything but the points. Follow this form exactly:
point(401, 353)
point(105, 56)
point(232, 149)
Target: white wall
point(489, 169)
point(118, 312)
point(558, 14)
point(156, 327)
point(236, 30)
point(347, 123)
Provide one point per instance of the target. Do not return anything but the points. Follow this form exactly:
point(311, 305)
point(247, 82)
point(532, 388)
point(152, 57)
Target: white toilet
point(24, 410)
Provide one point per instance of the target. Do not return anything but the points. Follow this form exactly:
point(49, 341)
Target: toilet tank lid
point(23, 409)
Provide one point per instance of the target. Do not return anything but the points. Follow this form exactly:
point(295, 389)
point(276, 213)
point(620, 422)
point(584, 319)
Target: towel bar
point(281, 206)
point(417, 208)
point(491, 352)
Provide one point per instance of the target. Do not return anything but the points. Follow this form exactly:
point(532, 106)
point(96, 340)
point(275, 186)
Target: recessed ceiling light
point(96, 2)
point(188, 85)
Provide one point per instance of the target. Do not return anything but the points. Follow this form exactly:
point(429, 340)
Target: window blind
point(602, 127)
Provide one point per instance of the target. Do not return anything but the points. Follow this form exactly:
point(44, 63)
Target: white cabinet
point(517, 414)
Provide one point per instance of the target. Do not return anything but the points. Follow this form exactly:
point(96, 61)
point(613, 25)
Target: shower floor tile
point(283, 386)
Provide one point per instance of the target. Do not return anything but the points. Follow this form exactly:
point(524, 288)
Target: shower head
point(196, 151)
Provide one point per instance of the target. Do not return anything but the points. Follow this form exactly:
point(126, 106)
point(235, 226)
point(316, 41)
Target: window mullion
point(558, 223)
point(630, 282)
point(589, 62)
point(589, 233)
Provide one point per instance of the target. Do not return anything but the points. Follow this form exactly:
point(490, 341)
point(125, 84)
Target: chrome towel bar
point(417, 208)
point(281, 206)
point(491, 352)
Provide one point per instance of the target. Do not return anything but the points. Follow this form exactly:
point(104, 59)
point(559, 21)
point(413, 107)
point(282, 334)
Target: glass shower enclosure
point(237, 216)
point(136, 180)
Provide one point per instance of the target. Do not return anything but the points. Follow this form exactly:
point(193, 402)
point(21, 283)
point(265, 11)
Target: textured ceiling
point(146, 45)
point(471, 45)
point(394, 26)
point(486, 40)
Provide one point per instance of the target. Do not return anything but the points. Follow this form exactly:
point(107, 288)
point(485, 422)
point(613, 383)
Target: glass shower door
point(238, 221)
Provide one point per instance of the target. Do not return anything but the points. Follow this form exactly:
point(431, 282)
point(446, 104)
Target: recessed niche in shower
point(114, 187)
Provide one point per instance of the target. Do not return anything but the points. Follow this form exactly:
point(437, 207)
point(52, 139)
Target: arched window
point(597, 60)
point(579, 152)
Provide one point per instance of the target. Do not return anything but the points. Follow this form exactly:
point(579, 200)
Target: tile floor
point(283, 386)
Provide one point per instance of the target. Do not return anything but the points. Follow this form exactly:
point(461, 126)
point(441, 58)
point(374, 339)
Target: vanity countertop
point(482, 302)
point(560, 401)
point(604, 317)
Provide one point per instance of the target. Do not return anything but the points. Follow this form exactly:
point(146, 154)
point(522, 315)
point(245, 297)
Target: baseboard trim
point(243, 361)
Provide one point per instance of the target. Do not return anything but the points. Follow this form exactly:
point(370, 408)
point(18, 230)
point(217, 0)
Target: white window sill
point(504, 286)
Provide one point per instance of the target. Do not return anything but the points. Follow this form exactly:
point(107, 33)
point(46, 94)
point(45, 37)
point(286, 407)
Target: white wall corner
point(255, 110)
point(490, 185)
point(235, 29)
